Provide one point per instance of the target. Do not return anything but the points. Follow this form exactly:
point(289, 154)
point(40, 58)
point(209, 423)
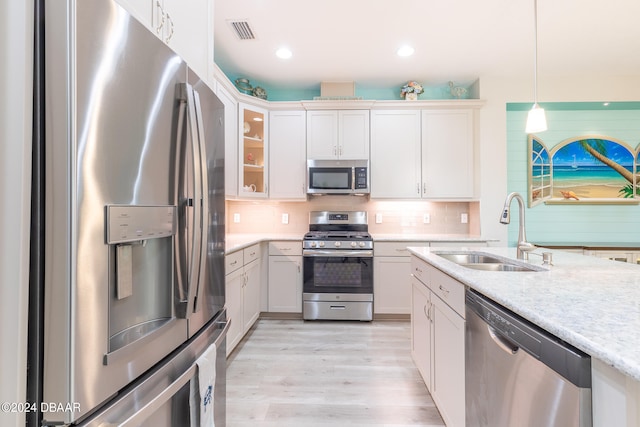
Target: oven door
point(338, 271)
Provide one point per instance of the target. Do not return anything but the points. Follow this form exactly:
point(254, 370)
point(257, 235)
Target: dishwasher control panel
point(501, 322)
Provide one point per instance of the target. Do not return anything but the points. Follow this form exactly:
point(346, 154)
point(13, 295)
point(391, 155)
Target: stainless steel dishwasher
point(520, 375)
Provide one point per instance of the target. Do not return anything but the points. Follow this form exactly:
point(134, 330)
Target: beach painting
point(587, 168)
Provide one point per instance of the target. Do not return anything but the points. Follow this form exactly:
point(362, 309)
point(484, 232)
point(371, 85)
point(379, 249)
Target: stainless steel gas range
point(338, 267)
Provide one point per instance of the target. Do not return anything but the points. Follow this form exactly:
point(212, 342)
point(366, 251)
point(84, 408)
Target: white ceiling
point(459, 40)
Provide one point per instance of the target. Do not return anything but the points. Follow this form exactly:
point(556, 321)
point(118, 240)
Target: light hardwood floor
point(289, 373)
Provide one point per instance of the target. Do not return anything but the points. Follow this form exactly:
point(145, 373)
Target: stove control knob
point(313, 244)
point(337, 244)
point(361, 244)
point(353, 244)
point(321, 244)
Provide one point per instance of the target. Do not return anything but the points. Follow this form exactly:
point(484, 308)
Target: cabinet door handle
point(417, 187)
point(170, 35)
point(335, 150)
point(426, 310)
point(424, 188)
point(161, 23)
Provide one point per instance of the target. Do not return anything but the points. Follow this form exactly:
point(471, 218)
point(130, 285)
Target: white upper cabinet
point(187, 30)
point(395, 154)
point(447, 153)
point(253, 151)
point(422, 154)
point(230, 142)
point(287, 154)
point(338, 134)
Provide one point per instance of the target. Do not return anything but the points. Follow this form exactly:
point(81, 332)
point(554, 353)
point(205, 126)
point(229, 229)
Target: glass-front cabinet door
point(253, 151)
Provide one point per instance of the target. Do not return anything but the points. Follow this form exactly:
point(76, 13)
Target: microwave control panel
point(361, 178)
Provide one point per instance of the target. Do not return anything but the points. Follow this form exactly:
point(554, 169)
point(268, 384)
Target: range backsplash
point(398, 217)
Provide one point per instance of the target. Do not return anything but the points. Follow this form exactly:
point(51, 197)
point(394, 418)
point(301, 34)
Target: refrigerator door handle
point(179, 251)
point(194, 256)
point(204, 196)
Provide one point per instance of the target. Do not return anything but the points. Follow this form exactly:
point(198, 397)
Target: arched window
point(588, 169)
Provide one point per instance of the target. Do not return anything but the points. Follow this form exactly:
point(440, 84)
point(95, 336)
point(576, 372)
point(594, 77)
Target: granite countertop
point(591, 245)
point(236, 241)
point(591, 303)
point(391, 237)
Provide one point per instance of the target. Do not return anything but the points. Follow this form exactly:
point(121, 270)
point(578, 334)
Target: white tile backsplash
point(398, 216)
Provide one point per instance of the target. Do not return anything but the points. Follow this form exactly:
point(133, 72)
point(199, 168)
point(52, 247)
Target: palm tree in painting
point(598, 149)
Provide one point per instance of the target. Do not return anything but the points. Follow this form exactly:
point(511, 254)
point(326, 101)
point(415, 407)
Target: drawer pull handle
point(445, 290)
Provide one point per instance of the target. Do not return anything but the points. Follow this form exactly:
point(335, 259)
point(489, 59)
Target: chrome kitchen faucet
point(523, 247)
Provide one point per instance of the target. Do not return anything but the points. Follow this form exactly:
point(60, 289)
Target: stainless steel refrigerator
point(127, 289)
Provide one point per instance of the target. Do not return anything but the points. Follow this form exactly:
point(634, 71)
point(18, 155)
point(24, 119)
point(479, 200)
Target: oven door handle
point(337, 253)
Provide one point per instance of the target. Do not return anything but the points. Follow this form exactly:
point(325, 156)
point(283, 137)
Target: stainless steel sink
point(470, 258)
point(498, 267)
point(487, 262)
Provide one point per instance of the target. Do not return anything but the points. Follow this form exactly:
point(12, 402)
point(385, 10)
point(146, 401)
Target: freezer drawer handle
point(150, 408)
point(147, 410)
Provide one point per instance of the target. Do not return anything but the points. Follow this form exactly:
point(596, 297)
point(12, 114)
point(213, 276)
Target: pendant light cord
point(535, 52)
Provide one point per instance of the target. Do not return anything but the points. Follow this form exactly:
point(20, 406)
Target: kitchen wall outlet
point(464, 218)
point(426, 218)
point(236, 218)
point(285, 218)
point(378, 218)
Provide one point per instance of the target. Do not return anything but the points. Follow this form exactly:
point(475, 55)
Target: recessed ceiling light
point(406, 51)
point(284, 53)
point(257, 119)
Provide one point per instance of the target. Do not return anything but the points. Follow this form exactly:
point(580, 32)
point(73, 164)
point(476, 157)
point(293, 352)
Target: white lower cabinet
point(234, 289)
point(421, 329)
point(242, 292)
point(438, 334)
point(448, 363)
point(285, 277)
point(392, 260)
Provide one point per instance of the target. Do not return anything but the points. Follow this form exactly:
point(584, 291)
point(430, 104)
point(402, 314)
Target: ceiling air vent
point(243, 30)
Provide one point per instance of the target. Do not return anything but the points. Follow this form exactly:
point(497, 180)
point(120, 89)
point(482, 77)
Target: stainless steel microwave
point(338, 177)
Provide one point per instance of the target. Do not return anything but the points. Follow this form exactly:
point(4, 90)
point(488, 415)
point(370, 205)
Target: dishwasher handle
point(505, 344)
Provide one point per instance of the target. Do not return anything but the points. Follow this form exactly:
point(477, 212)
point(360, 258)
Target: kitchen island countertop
point(591, 303)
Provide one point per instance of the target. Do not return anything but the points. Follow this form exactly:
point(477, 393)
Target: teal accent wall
point(572, 224)
point(276, 93)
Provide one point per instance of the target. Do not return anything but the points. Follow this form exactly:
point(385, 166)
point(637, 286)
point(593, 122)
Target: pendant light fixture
point(536, 119)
